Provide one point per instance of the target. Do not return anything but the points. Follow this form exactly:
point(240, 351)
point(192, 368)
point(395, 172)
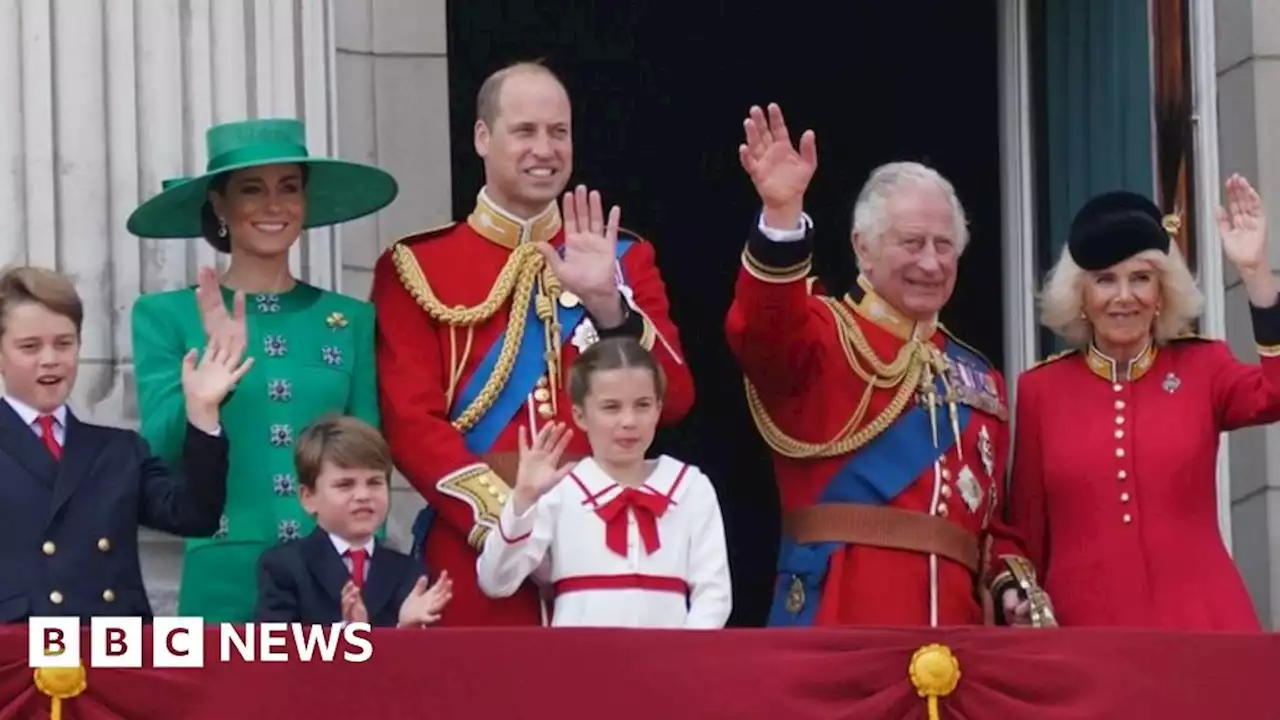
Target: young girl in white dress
point(620, 540)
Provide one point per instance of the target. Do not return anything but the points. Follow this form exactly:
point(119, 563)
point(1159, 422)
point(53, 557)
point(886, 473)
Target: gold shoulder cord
point(517, 280)
point(907, 372)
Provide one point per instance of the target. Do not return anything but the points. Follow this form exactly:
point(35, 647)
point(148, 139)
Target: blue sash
point(530, 364)
point(875, 475)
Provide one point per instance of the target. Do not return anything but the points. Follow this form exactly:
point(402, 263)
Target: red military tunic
point(1113, 480)
point(451, 404)
point(808, 362)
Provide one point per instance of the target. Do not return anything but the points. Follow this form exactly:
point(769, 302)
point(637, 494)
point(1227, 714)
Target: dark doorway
point(659, 97)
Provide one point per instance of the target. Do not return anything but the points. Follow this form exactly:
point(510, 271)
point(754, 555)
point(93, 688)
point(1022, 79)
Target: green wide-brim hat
point(337, 190)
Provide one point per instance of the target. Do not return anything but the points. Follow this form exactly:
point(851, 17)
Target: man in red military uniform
point(478, 323)
point(889, 436)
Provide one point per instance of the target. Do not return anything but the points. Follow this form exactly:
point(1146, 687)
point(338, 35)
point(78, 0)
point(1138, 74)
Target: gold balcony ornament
point(60, 683)
point(935, 672)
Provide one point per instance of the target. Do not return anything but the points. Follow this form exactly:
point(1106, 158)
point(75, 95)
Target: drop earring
point(222, 227)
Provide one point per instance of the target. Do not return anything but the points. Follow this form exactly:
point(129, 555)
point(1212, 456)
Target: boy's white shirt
point(562, 537)
point(342, 546)
point(30, 415)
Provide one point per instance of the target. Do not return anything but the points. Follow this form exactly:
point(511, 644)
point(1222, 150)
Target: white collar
point(29, 414)
point(342, 545)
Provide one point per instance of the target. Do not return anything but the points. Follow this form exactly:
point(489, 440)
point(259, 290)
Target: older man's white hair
point(871, 211)
point(1062, 299)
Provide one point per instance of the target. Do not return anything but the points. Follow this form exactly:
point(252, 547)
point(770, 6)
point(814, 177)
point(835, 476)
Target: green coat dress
point(313, 354)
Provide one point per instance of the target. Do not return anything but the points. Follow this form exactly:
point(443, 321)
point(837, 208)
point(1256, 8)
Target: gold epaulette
point(952, 337)
point(1054, 358)
point(427, 234)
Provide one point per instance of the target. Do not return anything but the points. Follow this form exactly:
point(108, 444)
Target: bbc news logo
point(179, 642)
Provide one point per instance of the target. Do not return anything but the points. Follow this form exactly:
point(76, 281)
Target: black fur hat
point(1115, 226)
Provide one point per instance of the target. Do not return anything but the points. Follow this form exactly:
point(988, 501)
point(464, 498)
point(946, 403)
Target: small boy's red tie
point(46, 434)
point(358, 557)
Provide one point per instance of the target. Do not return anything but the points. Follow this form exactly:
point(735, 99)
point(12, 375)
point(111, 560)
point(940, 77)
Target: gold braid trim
point(516, 280)
point(906, 373)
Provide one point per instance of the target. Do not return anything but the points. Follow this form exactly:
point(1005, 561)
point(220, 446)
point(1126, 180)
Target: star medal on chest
point(1171, 383)
point(970, 490)
point(986, 450)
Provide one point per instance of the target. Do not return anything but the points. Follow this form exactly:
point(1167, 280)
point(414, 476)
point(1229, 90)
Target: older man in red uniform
point(478, 323)
point(890, 437)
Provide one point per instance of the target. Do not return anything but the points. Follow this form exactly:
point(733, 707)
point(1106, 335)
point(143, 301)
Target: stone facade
point(1248, 72)
point(90, 126)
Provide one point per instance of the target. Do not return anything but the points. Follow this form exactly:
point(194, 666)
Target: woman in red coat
point(1116, 442)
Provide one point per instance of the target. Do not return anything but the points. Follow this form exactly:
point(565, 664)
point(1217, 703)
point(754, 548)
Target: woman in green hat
point(313, 349)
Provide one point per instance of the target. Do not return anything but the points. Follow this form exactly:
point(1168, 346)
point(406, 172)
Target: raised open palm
point(1243, 225)
point(205, 383)
point(540, 467)
point(229, 326)
point(780, 172)
point(590, 245)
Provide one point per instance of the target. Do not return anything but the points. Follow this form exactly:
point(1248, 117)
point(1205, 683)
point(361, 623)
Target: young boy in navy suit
point(339, 573)
point(73, 494)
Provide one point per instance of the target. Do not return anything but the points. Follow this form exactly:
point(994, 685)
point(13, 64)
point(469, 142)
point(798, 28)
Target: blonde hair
point(347, 442)
point(1062, 298)
point(26, 284)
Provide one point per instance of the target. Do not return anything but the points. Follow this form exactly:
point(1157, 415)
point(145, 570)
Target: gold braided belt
point(524, 279)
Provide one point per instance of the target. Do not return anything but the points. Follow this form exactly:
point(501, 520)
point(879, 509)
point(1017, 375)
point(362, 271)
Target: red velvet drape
point(793, 674)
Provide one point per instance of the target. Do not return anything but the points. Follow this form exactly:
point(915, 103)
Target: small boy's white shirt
point(342, 545)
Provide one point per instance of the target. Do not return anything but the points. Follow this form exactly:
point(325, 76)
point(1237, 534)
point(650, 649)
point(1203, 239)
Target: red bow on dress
point(648, 508)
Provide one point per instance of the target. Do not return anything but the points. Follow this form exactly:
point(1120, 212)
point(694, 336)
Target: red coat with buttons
point(1113, 480)
point(793, 352)
point(425, 364)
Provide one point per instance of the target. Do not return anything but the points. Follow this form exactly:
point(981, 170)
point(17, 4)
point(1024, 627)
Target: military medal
point(970, 490)
point(568, 299)
point(1171, 383)
point(986, 451)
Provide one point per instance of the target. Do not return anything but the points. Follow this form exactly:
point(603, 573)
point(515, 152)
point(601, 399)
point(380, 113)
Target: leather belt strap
point(883, 527)
point(507, 464)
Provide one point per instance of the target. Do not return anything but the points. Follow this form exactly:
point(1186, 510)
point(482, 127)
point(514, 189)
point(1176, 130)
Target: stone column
point(1248, 68)
point(99, 102)
point(391, 58)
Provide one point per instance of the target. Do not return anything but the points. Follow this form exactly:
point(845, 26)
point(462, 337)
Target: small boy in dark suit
point(340, 573)
point(73, 494)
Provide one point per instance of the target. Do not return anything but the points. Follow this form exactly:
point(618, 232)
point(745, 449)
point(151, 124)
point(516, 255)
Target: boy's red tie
point(46, 434)
point(358, 557)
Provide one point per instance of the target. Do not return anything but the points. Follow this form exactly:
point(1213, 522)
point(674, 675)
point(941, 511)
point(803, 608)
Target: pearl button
point(104, 544)
point(108, 596)
point(1119, 434)
point(946, 474)
point(1116, 387)
point(942, 510)
point(1119, 404)
point(1124, 497)
point(49, 548)
point(1119, 452)
point(1119, 419)
point(1122, 475)
point(946, 491)
point(1127, 518)
point(55, 597)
